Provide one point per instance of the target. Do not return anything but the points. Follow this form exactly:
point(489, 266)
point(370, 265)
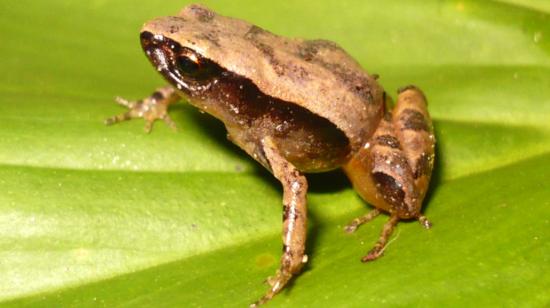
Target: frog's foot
point(276, 283)
point(380, 245)
point(382, 242)
point(294, 219)
point(150, 109)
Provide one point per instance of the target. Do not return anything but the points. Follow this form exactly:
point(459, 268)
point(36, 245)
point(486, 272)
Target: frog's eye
point(189, 65)
point(193, 66)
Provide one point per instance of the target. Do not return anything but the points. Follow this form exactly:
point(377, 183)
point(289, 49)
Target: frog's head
point(183, 67)
point(187, 48)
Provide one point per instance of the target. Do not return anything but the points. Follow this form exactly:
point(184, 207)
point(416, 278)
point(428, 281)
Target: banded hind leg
point(151, 108)
point(392, 171)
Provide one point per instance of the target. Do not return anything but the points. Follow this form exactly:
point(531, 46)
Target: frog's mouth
point(181, 66)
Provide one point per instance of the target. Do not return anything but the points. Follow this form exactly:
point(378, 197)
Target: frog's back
point(315, 74)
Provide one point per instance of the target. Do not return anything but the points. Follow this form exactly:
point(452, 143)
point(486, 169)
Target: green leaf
point(93, 215)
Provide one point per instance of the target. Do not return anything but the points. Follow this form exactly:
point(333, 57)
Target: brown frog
point(295, 106)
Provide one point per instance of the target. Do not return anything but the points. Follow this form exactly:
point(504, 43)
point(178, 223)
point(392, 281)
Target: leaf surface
point(91, 215)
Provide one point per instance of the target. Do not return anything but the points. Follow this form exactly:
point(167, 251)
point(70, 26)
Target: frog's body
point(295, 106)
point(311, 142)
point(315, 74)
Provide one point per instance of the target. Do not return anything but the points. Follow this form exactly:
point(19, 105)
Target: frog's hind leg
point(294, 218)
point(379, 173)
point(150, 108)
point(393, 169)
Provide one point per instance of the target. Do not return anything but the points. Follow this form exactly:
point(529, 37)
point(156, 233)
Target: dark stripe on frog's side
point(413, 119)
point(310, 142)
point(306, 138)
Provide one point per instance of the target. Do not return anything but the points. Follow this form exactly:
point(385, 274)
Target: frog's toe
point(124, 102)
point(351, 227)
point(423, 220)
point(382, 242)
point(168, 120)
point(373, 254)
point(134, 111)
point(150, 121)
point(118, 118)
point(148, 126)
point(276, 284)
point(354, 224)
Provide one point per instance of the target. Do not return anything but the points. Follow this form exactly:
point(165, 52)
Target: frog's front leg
point(393, 169)
point(150, 108)
point(294, 219)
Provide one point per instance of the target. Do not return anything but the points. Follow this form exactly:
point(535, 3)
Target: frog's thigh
point(414, 129)
point(294, 216)
point(381, 175)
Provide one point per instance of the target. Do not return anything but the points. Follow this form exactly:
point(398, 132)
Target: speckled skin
point(295, 106)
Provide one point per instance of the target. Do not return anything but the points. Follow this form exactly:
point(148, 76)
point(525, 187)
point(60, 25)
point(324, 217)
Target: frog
point(296, 106)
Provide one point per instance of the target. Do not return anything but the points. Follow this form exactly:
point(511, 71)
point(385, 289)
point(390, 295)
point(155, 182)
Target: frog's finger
point(118, 118)
point(168, 120)
point(148, 126)
point(126, 103)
